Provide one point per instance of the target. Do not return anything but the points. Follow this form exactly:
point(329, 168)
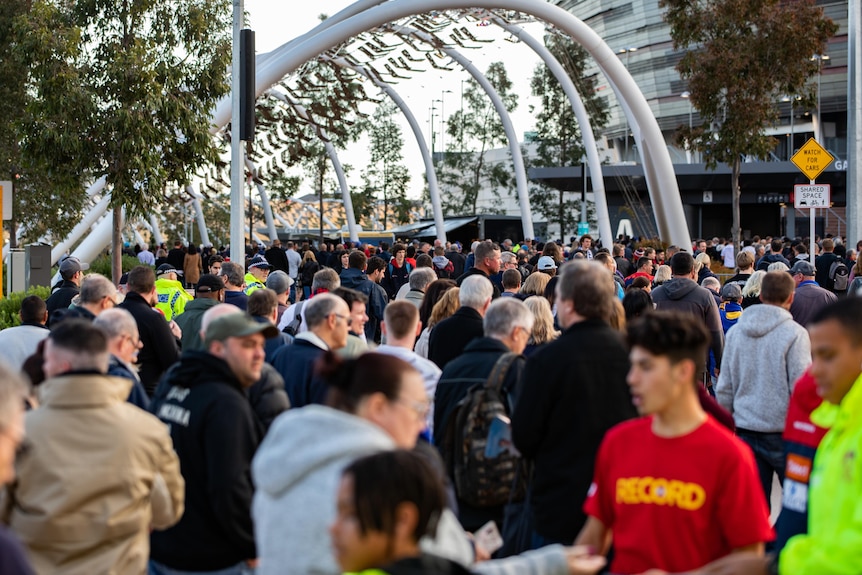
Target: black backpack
point(292, 327)
point(839, 275)
point(481, 481)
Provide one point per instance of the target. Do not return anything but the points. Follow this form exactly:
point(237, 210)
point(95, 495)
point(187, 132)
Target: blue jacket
point(377, 300)
point(138, 396)
point(295, 363)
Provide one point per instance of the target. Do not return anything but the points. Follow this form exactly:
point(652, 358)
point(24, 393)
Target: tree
point(387, 177)
point(472, 132)
point(558, 135)
point(122, 88)
point(741, 57)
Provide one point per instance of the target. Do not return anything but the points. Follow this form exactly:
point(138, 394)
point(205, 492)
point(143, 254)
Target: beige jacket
point(100, 473)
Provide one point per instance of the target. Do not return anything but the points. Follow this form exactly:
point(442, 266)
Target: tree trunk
point(735, 231)
point(117, 245)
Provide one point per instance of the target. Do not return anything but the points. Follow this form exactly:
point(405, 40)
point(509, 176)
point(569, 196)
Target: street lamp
point(792, 100)
point(687, 96)
point(627, 51)
point(442, 124)
point(819, 58)
point(431, 111)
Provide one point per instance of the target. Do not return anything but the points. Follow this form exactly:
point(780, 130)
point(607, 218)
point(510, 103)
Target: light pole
point(461, 127)
point(687, 96)
point(442, 125)
point(627, 51)
point(819, 58)
point(792, 100)
point(431, 111)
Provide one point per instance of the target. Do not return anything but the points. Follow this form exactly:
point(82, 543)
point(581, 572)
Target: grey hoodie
point(684, 295)
point(766, 353)
point(296, 472)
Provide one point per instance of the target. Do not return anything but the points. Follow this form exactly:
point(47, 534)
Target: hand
point(175, 329)
point(581, 561)
point(253, 563)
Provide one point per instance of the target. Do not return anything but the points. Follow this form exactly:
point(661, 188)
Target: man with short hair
point(171, 296)
point(507, 324)
point(123, 346)
point(98, 294)
point(823, 265)
point(744, 269)
point(209, 292)
point(357, 303)
point(324, 281)
point(773, 256)
point(354, 277)
point(263, 308)
point(215, 434)
point(397, 271)
point(420, 279)
point(258, 270)
point(276, 256)
point(449, 337)
point(102, 473)
point(234, 285)
point(486, 263)
point(279, 282)
point(20, 342)
point(327, 318)
point(713, 284)
point(294, 260)
point(585, 246)
point(177, 255)
point(675, 489)
point(458, 260)
point(809, 297)
point(624, 266)
point(681, 293)
point(443, 266)
point(71, 273)
point(401, 326)
point(644, 267)
point(146, 257)
point(573, 390)
point(159, 343)
point(766, 353)
point(511, 283)
point(215, 262)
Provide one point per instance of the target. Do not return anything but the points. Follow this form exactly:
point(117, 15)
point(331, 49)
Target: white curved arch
point(590, 148)
point(658, 168)
point(353, 230)
point(430, 174)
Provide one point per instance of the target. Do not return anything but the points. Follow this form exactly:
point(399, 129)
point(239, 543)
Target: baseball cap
point(165, 269)
point(209, 283)
point(802, 267)
point(279, 282)
point(731, 291)
point(546, 263)
point(71, 265)
point(237, 325)
point(259, 261)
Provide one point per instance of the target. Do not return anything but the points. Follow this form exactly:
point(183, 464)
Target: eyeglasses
point(420, 408)
point(346, 318)
point(113, 300)
point(135, 341)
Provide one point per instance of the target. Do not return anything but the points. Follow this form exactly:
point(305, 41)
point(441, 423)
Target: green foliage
point(472, 132)
point(387, 177)
point(559, 140)
point(116, 87)
point(102, 265)
point(10, 306)
point(741, 57)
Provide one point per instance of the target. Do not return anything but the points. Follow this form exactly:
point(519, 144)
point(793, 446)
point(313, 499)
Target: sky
point(276, 22)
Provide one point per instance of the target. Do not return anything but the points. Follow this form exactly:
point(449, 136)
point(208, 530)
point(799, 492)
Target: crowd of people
point(422, 408)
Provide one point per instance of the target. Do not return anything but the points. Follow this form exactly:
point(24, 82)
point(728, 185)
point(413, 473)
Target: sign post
point(5, 214)
point(811, 159)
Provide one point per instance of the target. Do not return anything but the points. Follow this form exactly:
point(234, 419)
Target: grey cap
point(237, 325)
point(731, 291)
point(802, 267)
point(71, 265)
point(546, 263)
point(279, 282)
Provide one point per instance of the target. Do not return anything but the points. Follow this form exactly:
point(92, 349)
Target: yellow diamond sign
point(812, 159)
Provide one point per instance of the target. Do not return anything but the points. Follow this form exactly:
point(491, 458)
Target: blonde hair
point(535, 284)
point(543, 327)
point(448, 304)
point(752, 286)
point(308, 256)
point(662, 274)
point(617, 318)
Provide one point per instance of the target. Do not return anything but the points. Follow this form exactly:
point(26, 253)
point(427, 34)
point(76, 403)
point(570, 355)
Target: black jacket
point(449, 337)
point(472, 368)
point(682, 294)
point(160, 349)
point(215, 435)
point(764, 262)
point(267, 396)
point(61, 298)
point(425, 564)
point(277, 258)
point(377, 300)
point(573, 390)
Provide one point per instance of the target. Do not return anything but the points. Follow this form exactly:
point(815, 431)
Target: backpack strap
point(501, 368)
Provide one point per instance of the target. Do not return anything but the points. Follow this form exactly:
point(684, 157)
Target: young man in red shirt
point(673, 489)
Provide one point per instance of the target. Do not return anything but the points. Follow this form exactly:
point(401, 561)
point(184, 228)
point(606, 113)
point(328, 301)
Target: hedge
point(11, 305)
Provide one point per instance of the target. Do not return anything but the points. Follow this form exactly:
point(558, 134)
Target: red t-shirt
point(676, 503)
